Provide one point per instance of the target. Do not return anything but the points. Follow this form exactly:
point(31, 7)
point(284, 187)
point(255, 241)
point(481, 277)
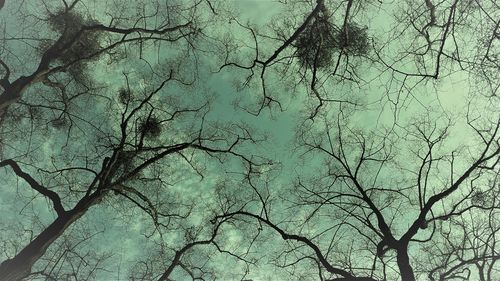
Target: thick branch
point(53, 196)
point(440, 196)
point(346, 275)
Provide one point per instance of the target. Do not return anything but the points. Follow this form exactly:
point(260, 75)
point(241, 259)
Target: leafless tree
point(410, 194)
point(59, 42)
point(466, 245)
point(380, 199)
point(78, 142)
point(331, 43)
point(129, 154)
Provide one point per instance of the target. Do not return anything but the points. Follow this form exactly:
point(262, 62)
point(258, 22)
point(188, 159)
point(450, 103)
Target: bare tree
point(132, 153)
point(108, 108)
point(378, 198)
point(330, 43)
point(76, 40)
point(133, 141)
point(466, 246)
point(376, 223)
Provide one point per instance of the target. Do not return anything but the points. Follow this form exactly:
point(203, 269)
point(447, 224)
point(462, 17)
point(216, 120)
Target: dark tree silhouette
point(107, 121)
point(376, 207)
point(414, 42)
point(128, 142)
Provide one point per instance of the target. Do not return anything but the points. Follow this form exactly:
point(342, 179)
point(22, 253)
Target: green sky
point(380, 98)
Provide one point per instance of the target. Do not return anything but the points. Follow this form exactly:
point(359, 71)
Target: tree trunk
point(404, 265)
point(20, 266)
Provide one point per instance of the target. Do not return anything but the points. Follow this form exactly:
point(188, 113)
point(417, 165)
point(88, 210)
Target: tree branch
point(53, 196)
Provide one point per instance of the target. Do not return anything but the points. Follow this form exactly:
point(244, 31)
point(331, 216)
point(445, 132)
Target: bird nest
point(150, 128)
point(317, 43)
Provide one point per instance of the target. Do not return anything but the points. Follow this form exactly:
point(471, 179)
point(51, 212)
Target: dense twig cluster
point(378, 183)
point(321, 39)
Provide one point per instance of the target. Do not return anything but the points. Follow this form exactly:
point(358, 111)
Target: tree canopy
point(249, 140)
